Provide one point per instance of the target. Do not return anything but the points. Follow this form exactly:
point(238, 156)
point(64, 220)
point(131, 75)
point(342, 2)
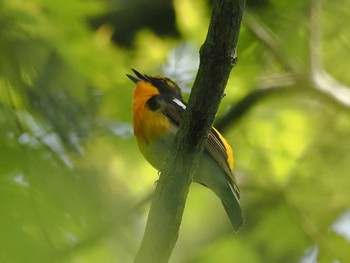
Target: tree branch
point(216, 62)
point(242, 107)
point(321, 79)
point(252, 99)
point(318, 79)
point(267, 38)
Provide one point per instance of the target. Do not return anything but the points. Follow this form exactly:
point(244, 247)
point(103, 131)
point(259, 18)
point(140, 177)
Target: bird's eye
point(162, 82)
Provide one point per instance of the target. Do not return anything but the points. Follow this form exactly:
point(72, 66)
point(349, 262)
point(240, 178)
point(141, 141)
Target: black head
point(164, 85)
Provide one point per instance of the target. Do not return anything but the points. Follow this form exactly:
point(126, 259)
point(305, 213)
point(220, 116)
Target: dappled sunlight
point(151, 48)
point(282, 135)
point(73, 185)
point(192, 19)
point(138, 175)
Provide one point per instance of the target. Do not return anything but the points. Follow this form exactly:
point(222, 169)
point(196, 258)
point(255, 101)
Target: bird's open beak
point(139, 77)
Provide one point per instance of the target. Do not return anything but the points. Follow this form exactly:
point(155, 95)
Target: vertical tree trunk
point(217, 57)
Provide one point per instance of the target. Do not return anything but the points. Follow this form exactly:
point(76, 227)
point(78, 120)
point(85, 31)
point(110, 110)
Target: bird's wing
point(174, 110)
point(215, 144)
point(218, 149)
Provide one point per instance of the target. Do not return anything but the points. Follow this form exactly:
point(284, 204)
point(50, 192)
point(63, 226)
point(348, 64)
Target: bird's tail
point(233, 209)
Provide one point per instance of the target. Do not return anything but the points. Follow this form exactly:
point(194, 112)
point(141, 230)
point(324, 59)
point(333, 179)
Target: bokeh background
point(74, 187)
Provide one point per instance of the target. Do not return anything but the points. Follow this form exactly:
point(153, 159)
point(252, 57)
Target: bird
point(157, 111)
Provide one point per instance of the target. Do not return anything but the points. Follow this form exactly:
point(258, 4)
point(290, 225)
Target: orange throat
point(148, 125)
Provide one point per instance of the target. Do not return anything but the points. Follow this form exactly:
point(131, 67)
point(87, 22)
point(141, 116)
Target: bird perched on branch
point(158, 109)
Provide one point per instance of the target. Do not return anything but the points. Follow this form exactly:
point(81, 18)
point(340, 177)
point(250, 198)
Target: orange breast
point(148, 125)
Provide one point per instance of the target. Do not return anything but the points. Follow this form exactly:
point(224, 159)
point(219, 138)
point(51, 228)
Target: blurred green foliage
point(74, 187)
